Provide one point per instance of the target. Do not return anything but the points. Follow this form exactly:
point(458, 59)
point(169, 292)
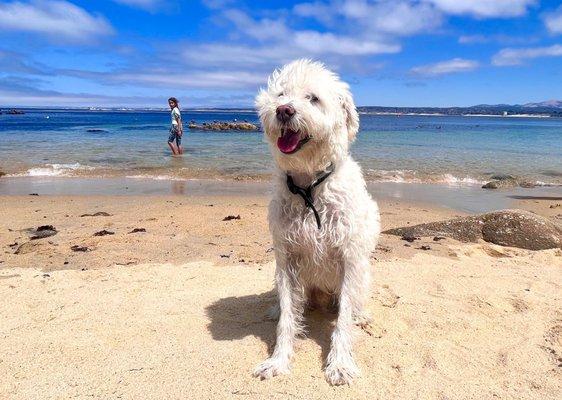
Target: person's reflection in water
point(179, 187)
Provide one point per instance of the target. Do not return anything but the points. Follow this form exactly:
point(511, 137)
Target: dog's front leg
point(340, 366)
point(289, 325)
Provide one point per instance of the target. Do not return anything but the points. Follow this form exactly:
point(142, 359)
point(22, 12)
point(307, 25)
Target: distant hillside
point(551, 108)
point(547, 104)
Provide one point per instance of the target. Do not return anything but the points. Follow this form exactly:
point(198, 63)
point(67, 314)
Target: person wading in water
point(176, 129)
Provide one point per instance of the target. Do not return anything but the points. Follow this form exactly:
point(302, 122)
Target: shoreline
point(464, 198)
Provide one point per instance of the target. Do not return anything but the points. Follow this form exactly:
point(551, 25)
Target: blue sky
point(135, 53)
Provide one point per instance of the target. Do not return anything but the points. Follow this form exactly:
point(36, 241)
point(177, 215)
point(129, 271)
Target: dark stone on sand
point(231, 217)
point(2, 174)
point(425, 247)
point(43, 231)
point(224, 126)
point(79, 248)
point(104, 233)
point(514, 228)
point(98, 214)
point(138, 230)
point(34, 194)
point(409, 238)
point(438, 238)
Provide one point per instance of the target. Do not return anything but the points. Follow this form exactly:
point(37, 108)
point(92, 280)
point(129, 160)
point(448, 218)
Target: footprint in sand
point(387, 297)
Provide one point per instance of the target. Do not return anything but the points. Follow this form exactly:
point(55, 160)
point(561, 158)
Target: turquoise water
point(438, 149)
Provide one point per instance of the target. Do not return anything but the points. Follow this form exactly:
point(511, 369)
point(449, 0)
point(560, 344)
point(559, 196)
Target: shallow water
point(434, 149)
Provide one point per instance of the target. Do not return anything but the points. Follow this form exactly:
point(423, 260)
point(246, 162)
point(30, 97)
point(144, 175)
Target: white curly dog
point(323, 221)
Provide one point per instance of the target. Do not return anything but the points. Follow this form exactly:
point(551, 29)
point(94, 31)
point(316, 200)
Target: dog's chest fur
point(347, 213)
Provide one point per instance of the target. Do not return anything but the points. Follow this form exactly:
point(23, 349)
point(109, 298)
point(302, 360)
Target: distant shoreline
point(515, 111)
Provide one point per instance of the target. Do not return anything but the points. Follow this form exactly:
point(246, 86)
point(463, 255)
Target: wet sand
point(466, 198)
point(179, 311)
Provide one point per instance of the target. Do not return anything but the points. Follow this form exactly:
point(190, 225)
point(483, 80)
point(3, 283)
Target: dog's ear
point(351, 116)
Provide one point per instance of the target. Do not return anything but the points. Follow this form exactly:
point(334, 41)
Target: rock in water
point(507, 181)
point(515, 228)
point(223, 126)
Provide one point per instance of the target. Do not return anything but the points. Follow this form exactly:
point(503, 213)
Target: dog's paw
point(270, 368)
point(341, 373)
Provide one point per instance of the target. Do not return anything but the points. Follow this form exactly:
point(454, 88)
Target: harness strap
point(306, 193)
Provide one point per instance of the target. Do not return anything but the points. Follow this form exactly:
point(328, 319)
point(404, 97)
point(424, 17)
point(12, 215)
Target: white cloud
point(57, 19)
point(400, 18)
point(149, 5)
point(327, 43)
point(508, 57)
point(553, 21)
point(262, 30)
point(276, 43)
point(498, 38)
point(484, 8)
point(445, 67)
point(190, 80)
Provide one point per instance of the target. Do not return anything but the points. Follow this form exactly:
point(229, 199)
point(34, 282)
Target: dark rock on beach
point(98, 214)
point(231, 217)
point(138, 230)
point(507, 181)
point(43, 232)
point(104, 233)
point(224, 126)
point(514, 228)
point(79, 248)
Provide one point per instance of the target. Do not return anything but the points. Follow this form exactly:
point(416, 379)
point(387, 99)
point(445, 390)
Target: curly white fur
point(333, 260)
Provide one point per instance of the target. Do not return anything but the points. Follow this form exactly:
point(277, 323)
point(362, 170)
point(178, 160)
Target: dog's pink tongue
point(289, 141)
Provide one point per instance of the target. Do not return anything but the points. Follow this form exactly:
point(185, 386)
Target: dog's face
point(308, 116)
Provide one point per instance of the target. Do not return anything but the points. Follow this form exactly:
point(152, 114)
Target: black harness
point(306, 193)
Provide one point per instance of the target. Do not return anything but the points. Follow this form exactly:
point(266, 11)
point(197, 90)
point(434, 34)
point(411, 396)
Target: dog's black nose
point(285, 112)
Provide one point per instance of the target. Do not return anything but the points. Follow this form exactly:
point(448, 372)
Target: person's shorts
point(174, 135)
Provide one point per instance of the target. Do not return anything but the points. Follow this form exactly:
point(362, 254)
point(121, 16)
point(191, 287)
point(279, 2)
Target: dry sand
point(178, 312)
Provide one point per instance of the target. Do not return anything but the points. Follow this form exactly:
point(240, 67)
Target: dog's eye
point(281, 94)
point(312, 98)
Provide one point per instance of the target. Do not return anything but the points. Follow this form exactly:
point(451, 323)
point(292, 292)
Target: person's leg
point(171, 139)
point(173, 147)
point(178, 143)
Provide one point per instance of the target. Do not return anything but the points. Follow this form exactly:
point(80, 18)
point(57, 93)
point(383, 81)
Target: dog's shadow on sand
point(234, 318)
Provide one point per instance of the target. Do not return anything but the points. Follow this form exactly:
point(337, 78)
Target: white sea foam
point(156, 177)
point(55, 170)
point(455, 180)
point(412, 176)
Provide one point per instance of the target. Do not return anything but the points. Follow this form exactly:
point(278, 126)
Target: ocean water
point(418, 149)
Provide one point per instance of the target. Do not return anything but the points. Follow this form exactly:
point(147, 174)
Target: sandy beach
point(179, 310)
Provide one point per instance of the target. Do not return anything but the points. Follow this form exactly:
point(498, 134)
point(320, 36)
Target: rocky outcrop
point(224, 126)
point(514, 228)
point(507, 181)
point(15, 112)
